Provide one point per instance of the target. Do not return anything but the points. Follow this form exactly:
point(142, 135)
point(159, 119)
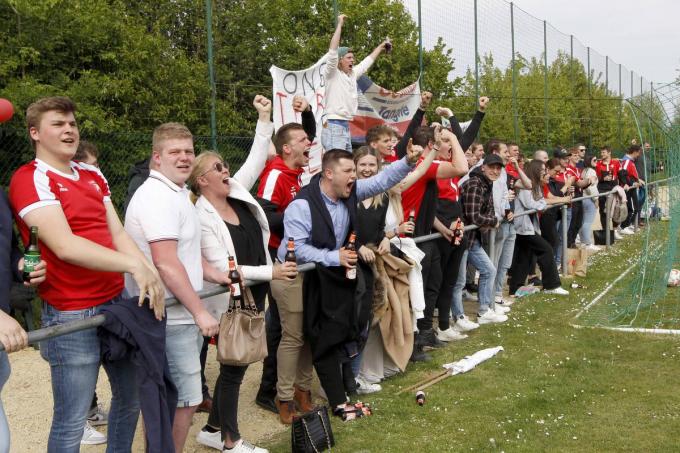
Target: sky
point(651, 49)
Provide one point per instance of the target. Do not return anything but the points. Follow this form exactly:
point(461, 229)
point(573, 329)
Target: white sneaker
point(243, 446)
point(364, 387)
point(449, 335)
point(490, 316)
point(628, 230)
point(98, 416)
point(593, 248)
point(501, 309)
point(463, 324)
point(500, 300)
point(212, 440)
point(618, 236)
point(91, 436)
point(559, 291)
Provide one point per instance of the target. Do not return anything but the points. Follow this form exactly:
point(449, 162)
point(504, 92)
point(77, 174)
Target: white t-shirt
point(161, 210)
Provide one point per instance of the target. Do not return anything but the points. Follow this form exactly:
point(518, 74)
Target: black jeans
point(224, 413)
point(273, 331)
point(576, 223)
point(527, 246)
point(204, 355)
point(549, 228)
point(450, 258)
point(432, 281)
point(633, 204)
point(330, 369)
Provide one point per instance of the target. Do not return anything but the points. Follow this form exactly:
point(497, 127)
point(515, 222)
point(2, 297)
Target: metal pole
point(476, 58)
point(420, 42)
point(620, 109)
point(211, 75)
point(608, 220)
point(565, 231)
point(606, 77)
point(545, 84)
point(571, 80)
point(515, 117)
point(335, 11)
point(590, 103)
point(631, 83)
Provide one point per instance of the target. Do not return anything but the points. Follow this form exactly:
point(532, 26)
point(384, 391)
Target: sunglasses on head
point(218, 167)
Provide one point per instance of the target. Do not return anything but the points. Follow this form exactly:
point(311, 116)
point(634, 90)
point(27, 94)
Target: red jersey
point(612, 167)
point(82, 196)
point(391, 158)
point(279, 184)
point(629, 166)
point(448, 188)
point(573, 171)
point(413, 196)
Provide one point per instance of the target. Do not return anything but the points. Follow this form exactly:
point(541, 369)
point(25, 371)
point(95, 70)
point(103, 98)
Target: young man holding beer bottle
point(87, 250)
point(320, 220)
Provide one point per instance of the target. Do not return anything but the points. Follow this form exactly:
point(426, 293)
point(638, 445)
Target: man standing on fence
point(87, 250)
point(341, 97)
point(632, 181)
point(163, 222)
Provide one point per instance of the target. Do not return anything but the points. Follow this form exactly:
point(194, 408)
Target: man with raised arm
point(87, 251)
point(320, 220)
point(341, 97)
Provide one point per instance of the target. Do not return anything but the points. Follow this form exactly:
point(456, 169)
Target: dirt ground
point(27, 399)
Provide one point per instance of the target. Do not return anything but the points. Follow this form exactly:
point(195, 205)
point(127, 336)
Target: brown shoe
point(205, 406)
point(286, 411)
point(303, 400)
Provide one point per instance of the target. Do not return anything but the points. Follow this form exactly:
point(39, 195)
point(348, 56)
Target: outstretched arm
point(257, 158)
point(416, 121)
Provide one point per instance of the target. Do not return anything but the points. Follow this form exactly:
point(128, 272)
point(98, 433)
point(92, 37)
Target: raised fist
point(262, 104)
point(425, 99)
point(300, 104)
point(483, 101)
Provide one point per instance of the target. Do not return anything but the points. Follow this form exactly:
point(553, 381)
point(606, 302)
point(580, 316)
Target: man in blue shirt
point(320, 220)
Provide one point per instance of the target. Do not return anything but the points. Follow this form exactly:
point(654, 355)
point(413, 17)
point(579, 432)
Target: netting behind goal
point(638, 297)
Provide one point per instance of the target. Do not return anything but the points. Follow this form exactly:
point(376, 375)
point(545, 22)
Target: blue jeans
point(74, 364)
point(558, 252)
point(487, 273)
point(4, 426)
point(503, 253)
point(336, 135)
point(586, 231)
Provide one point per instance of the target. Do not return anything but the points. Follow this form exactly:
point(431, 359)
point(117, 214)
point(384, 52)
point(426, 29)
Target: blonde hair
point(364, 151)
point(169, 131)
point(197, 171)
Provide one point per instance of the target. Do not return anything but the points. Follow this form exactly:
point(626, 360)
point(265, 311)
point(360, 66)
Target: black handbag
point(311, 432)
point(600, 237)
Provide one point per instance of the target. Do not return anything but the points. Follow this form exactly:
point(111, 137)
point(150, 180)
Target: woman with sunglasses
point(233, 224)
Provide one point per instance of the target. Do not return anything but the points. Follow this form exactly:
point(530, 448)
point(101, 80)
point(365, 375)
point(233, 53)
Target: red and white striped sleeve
point(31, 188)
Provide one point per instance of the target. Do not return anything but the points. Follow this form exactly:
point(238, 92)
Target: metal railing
point(97, 320)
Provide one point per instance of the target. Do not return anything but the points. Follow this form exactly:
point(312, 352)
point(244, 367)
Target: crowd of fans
point(359, 317)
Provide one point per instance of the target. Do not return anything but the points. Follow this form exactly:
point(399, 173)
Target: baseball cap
point(561, 153)
point(342, 51)
point(493, 159)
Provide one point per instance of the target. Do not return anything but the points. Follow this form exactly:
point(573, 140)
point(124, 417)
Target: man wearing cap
point(478, 209)
point(341, 90)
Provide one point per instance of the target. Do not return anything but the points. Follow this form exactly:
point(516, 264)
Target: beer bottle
point(411, 218)
point(458, 232)
point(290, 252)
point(351, 274)
point(511, 187)
point(31, 254)
point(236, 287)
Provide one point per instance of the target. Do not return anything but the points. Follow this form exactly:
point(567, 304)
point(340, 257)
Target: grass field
point(555, 387)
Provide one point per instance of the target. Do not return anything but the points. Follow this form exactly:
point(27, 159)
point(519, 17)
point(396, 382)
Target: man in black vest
point(320, 220)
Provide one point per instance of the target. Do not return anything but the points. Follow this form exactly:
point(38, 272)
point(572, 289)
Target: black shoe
point(266, 402)
point(427, 339)
point(535, 282)
point(472, 287)
point(418, 355)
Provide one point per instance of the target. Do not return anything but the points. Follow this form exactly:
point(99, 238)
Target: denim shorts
point(183, 345)
point(335, 135)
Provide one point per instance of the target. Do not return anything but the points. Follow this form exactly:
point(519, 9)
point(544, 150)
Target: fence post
point(515, 117)
point(608, 220)
point(572, 82)
point(492, 242)
point(476, 59)
point(545, 84)
point(335, 11)
point(211, 75)
point(420, 43)
point(620, 109)
point(590, 104)
point(565, 231)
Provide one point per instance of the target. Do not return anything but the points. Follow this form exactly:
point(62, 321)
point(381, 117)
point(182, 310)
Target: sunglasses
point(218, 167)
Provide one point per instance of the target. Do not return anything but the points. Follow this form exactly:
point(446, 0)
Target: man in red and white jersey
point(631, 181)
point(87, 251)
point(607, 170)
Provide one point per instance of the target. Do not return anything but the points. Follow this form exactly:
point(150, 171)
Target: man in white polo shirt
point(162, 221)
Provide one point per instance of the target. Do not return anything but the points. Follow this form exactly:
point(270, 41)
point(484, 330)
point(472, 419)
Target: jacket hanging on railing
point(134, 332)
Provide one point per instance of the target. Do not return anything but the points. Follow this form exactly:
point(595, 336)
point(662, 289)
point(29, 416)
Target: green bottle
point(31, 255)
